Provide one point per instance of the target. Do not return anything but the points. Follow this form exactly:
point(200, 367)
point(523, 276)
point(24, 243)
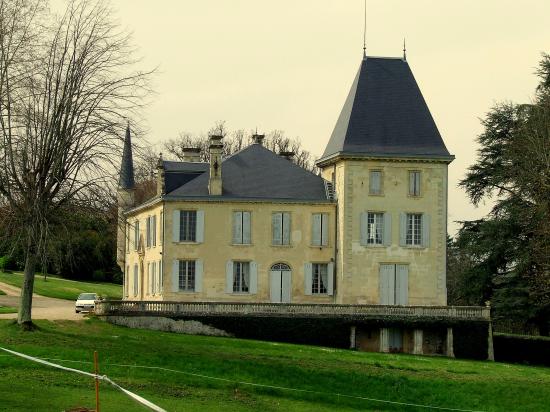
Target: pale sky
point(289, 64)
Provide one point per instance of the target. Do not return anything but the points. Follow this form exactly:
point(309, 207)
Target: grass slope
point(7, 309)
point(63, 288)
point(2, 292)
point(404, 378)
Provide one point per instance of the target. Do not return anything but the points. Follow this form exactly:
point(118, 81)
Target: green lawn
point(2, 292)
point(62, 288)
point(7, 309)
point(402, 378)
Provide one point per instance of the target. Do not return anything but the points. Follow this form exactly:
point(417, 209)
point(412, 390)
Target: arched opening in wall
point(280, 283)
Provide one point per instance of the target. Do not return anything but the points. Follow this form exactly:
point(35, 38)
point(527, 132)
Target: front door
point(280, 283)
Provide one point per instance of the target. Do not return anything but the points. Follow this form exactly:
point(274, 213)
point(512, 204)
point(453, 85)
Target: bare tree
point(67, 84)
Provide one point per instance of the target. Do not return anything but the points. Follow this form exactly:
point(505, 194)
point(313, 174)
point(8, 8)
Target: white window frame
point(375, 228)
point(319, 286)
point(241, 276)
point(185, 278)
point(373, 190)
point(415, 183)
point(414, 229)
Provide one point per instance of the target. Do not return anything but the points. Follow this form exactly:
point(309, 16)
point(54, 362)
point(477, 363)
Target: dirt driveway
point(42, 307)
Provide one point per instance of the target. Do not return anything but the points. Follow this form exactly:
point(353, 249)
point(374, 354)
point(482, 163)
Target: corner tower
point(388, 164)
point(125, 197)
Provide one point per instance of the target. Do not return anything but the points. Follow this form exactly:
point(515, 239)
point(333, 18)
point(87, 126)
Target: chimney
point(191, 154)
point(161, 187)
point(215, 179)
point(287, 155)
point(258, 138)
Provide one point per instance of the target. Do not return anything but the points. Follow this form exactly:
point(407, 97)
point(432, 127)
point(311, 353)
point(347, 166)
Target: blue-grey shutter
point(253, 279)
point(402, 285)
point(276, 228)
point(387, 229)
point(229, 276)
point(154, 232)
point(417, 181)
point(148, 231)
point(330, 279)
point(275, 285)
point(316, 229)
point(375, 187)
point(307, 278)
point(237, 228)
point(246, 228)
point(176, 226)
point(387, 284)
point(363, 228)
point(402, 229)
point(411, 183)
point(198, 275)
point(199, 237)
point(286, 228)
point(175, 275)
point(426, 230)
point(324, 229)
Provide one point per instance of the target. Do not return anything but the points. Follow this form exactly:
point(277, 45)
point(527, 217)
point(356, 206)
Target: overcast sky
point(289, 64)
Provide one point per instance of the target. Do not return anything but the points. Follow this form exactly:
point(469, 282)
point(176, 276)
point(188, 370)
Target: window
point(188, 225)
point(414, 229)
point(186, 278)
point(136, 235)
point(161, 237)
point(319, 278)
point(319, 229)
point(241, 228)
point(126, 281)
point(153, 275)
point(375, 228)
point(375, 182)
point(128, 239)
point(154, 230)
point(241, 277)
point(136, 274)
point(149, 286)
point(414, 183)
point(280, 226)
point(161, 277)
point(148, 231)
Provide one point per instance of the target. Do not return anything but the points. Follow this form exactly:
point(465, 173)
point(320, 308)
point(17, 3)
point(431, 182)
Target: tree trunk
point(25, 306)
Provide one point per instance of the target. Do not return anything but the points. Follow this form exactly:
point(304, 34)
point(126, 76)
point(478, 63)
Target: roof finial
point(365, 30)
point(404, 50)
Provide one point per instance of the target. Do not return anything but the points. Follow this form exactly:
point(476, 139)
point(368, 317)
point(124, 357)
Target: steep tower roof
point(126, 177)
point(385, 115)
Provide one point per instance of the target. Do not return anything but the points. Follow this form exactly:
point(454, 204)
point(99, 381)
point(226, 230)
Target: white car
point(85, 302)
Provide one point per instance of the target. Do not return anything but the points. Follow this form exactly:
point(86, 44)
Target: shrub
point(98, 275)
point(522, 349)
point(7, 263)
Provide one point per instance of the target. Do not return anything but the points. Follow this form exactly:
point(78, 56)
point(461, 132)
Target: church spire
point(126, 177)
point(365, 31)
point(404, 50)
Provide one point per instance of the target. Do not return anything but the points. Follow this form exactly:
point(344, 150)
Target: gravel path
point(42, 307)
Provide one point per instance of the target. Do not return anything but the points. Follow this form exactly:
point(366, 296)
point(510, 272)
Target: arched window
point(280, 266)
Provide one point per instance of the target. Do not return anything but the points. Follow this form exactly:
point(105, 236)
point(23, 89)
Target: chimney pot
point(191, 154)
point(258, 138)
point(287, 155)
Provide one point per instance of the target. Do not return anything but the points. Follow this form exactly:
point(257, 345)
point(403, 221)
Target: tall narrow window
point(188, 225)
point(375, 228)
point(161, 277)
point(414, 229)
point(154, 230)
point(153, 278)
point(187, 275)
point(241, 277)
point(241, 228)
point(375, 182)
point(319, 230)
point(136, 277)
point(136, 235)
point(148, 231)
point(280, 226)
point(161, 223)
point(414, 182)
point(319, 278)
point(128, 236)
point(126, 281)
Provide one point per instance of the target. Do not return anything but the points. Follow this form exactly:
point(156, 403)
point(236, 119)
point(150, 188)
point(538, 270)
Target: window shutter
point(330, 279)
point(176, 226)
point(275, 285)
point(154, 232)
point(286, 228)
point(199, 236)
point(426, 230)
point(417, 182)
point(176, 276)
point(402, 285)
point(402, 229)
point(198, 275)
point(307, 278)
point(237, 228)
point(229, 276)
point(253, 286)
point(363, 228)
point(276, 228)
point(148, 231)
point(324, 227)
point(375, 182)
point(316, 229)
point(387, 229)
point(247, 235)
point(150, 278)
point(387, 284)
point(161, 277)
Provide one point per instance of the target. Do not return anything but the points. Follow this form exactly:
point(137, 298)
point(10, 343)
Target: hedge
point(533, 350)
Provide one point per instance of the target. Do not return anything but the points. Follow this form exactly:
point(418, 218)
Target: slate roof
point(126, 176)
point(254, 173)
point(385, 114)
point(177, 174)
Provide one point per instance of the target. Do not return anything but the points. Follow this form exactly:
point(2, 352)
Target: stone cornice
point(326, 161)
